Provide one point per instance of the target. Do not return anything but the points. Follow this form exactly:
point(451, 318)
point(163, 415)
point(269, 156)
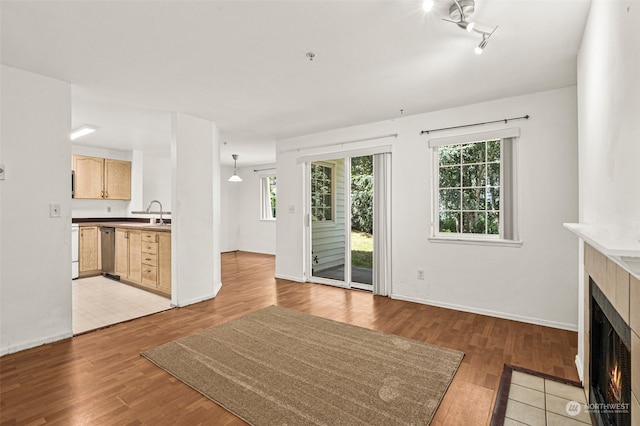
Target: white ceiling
point(242, 64)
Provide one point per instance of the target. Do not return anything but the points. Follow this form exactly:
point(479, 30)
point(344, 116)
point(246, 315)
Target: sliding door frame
point(347, 281)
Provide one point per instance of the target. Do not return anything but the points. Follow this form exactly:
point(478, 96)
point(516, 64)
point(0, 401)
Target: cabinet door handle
point(156, 238)
point(126, 234)
point(147, 259)
point(106, 194)
point(102, 193)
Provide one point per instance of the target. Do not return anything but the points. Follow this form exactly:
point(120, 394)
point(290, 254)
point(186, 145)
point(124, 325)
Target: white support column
point(195, 224)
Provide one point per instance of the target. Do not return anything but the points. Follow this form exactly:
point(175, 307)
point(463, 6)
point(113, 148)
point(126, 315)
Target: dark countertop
point(123, 223)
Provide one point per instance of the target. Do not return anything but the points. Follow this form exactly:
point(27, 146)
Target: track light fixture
point(460, 13)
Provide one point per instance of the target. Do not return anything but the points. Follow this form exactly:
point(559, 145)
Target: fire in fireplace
point(610, 370)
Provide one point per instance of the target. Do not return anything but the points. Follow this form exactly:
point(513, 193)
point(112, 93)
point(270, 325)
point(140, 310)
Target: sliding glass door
point(341, 222)
point(361, 229)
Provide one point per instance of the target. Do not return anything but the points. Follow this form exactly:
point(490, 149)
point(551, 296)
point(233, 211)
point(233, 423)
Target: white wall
point(609, 111)
point(242, 228)
point(195, 225)
point(35, 302)
point(254, 235)
point(229, 194)
point(609, 126)
point(156, 181)
point(534, 283)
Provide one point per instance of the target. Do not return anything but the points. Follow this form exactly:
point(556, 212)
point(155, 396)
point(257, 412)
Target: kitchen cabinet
point(156, 261)
point(150, 259)
point(101, 178)
point(164, 262)
point(128, 254)
point(89, 253)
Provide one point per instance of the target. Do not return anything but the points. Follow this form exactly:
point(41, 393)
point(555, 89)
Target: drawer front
point(149, 275)
point(149, 259)
point(150, 248)
point(149, 237)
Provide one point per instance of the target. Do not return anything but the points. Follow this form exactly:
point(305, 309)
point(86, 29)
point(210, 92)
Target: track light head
point(480, 48)
point(427, 5)
point(466, 25)
point(485, 40)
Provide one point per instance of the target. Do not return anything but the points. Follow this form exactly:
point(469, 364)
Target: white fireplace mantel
point(621, 247)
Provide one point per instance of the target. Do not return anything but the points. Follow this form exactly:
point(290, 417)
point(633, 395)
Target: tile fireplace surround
point(622, 289)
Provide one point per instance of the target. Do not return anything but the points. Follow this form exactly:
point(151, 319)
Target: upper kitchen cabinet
point(117, 179)
point(102, 178)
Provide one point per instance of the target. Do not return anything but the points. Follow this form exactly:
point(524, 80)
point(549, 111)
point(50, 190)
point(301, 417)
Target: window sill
point(476, 241)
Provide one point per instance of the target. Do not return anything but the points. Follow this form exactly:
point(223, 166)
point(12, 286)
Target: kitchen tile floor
point(536, 401)
point(99, 301)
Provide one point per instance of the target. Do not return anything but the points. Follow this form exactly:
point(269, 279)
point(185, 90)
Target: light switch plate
point(54, 210)
point(1, 171)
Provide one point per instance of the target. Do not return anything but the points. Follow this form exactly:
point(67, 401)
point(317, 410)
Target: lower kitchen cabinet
point(156, 261)
point(128, 253)
point(150, 259)
point(89, 252)
point(144, 258)
point(164, 262)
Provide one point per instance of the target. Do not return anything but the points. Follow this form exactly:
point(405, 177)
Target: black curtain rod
point(506, 120)
point(262, 170)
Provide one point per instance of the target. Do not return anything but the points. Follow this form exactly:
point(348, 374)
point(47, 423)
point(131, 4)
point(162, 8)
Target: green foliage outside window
point(469, 188)
point(362, 194)
point(272, 195)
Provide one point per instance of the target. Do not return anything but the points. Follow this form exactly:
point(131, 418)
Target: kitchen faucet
point(160, 204)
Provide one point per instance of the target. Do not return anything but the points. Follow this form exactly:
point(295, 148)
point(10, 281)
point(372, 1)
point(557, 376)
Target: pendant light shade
point(235, 177)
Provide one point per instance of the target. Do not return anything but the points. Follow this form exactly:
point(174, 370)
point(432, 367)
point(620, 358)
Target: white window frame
point(331, 166)
point(265, 198)
point(508, 182)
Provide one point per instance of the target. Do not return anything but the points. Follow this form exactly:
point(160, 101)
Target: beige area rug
point(283, 367)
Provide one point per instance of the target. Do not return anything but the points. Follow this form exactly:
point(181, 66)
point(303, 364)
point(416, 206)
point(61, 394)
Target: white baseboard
point(580, 367)
point(290, 278)
point(257, 252)
point(199, 299)
point(473, 310)
point(35, 343)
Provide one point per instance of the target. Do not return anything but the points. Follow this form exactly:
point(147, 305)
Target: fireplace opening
point(610, 367)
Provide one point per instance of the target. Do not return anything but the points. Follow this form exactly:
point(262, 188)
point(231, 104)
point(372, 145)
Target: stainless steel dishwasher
point(108, 246)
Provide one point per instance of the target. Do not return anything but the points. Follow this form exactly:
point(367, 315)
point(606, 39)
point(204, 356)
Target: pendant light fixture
point(235, 177)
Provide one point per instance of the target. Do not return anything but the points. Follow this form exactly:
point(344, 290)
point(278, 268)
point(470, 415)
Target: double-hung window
point(474, 187)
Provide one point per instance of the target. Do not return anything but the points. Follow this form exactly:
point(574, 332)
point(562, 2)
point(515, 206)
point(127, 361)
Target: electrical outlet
point(421, 274)
point(108, 209)
point(54, 210)
point(292, 209)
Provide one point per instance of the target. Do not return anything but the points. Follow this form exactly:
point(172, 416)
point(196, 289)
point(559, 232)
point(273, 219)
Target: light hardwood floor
point(100, 377)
